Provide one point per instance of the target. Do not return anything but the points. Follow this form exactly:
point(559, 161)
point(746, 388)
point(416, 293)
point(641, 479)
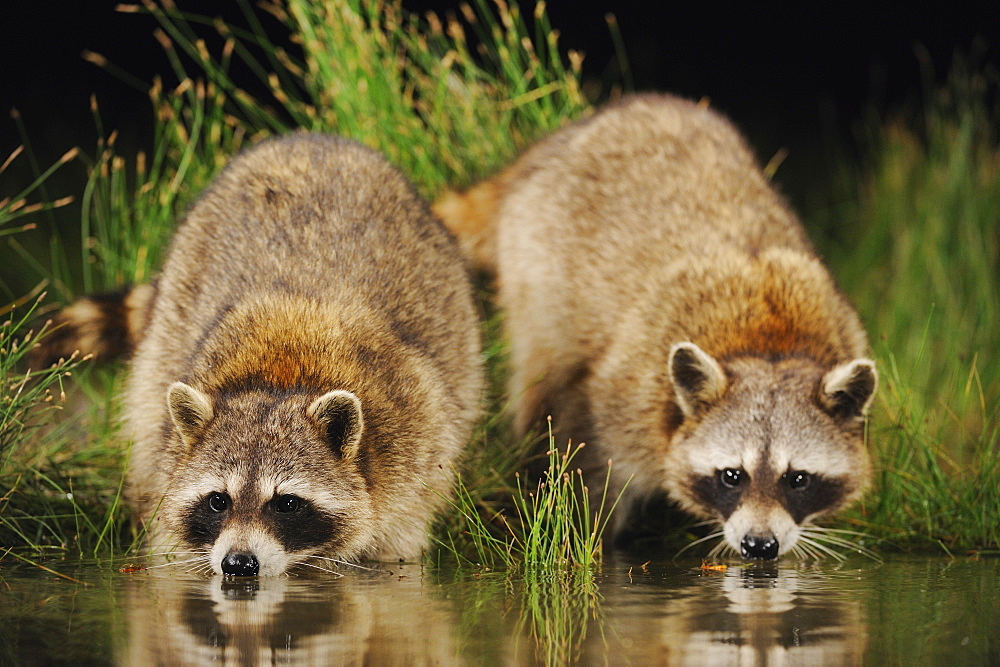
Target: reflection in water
point(380, 617)
point(545, 619)
point(747, 615)
point(858, 612)
point(669, 615)
point(556, 613)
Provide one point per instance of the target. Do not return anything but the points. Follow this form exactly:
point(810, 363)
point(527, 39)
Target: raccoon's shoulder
point(778, 302)
point(314, 171)
point(644, 125)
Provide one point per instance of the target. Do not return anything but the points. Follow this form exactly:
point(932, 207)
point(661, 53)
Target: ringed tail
point(105, 325)
point(471, 216)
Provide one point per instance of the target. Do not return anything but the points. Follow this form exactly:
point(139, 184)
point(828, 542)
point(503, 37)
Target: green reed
point(921, 259)
point(538, 526)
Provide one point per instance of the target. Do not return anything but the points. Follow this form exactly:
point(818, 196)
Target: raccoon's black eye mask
point(298, 524)
point(797, 479)
point(286, 504)
point(806, 494)
point(218, 502)
point(721, 491)
point(802, 493)
point(204, 519)
point(292, 520)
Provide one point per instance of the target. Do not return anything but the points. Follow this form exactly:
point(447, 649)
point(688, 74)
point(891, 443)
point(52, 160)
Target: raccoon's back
point(318, 218)
point(608, 208)
point(651, 179)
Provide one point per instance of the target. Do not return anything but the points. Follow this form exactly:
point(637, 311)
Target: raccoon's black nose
point(238, 564)
point(760, 546)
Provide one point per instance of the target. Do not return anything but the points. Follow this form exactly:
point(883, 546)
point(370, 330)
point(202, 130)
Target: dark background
point(777, 68)
point(796, 75)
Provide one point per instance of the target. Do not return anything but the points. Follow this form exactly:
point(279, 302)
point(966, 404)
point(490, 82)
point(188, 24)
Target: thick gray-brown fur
point(309, 368)
point(664, 304)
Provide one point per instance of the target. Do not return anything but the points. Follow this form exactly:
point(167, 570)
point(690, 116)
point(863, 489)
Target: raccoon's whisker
point(710, 536)
point(807, 542)
point(833, 535)
point(832, 539)
point(823, 536)
point(302, 560)
point(171, 552)
point(809, 546)
point(716, 550)
point(722, 547)
point(804, 550)
point(823, 548)
point(172, 557)
point(812, 549)
point(175, 563)
point(320, 568)
point(824, 529)
point(313, 566)
point(344, 562)
point(850, 546)
point(206, 566)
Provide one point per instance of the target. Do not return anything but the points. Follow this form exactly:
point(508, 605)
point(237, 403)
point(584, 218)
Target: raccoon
point(306, 368)
point(665, 306)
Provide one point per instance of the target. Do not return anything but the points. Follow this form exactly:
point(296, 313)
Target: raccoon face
point(766, 447)
point(267, 482)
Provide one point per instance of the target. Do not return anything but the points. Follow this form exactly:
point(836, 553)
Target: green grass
point(449, 100)
point(39, 504)
point(555, 522)
point(412, 87)
point(548, 525)
point(922, 262)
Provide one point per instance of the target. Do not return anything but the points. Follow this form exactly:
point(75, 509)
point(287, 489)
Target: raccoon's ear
point(190, 410)
point(339, 414)
point(698, 379)
point(847, 391)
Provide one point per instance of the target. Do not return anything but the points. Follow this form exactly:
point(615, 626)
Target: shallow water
point(903, 611)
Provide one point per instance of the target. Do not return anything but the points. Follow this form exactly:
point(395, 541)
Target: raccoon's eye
point(287, 503)
point(797, 479)
point(731, 477)
point(218, 502)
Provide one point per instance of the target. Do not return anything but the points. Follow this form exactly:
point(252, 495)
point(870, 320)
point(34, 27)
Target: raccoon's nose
point(760, 546)
point(239, 564)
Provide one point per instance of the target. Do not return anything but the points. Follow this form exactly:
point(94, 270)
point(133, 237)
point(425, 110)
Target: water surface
point(906, 610)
